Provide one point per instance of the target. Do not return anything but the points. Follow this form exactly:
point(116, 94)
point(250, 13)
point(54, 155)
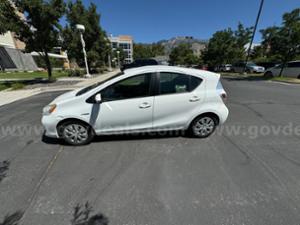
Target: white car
point(145, 99)
point(251, 67)
point(292, 69)
point(225, 68)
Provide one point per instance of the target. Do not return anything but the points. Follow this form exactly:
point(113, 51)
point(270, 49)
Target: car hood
point(66, 96)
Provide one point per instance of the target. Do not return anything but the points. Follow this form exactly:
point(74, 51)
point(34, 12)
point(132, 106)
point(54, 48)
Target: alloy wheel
point(204, 127)
point(76, 134)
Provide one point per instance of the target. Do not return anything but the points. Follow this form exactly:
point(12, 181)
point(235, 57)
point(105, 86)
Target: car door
point(179, 95)
point(293, 69)
point(126, 105)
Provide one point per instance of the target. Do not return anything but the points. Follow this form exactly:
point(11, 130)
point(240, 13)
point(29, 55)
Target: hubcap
point(204, 126)
point(76, 133)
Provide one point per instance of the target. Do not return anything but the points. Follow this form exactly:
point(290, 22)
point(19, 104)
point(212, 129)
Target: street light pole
point(118, 53)
point(81, 29)
point(109, 57)
point(254, 31)
point(109, 62)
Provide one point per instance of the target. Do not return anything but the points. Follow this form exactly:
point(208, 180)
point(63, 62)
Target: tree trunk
point(282, 68)
point(48, 65)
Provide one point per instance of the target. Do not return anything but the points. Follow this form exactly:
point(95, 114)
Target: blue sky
point(153, 20)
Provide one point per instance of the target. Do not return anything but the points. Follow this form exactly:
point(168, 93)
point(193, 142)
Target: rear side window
point(175, 83)
point(194, 82)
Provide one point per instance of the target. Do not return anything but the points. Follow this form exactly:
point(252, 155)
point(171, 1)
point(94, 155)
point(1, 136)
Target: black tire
point(268, 75)
point(201, 129)
point(76, 133)
point(298, 76)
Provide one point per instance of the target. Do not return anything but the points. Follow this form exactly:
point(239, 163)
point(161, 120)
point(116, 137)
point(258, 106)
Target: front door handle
point(195, 99)
point(145, 105)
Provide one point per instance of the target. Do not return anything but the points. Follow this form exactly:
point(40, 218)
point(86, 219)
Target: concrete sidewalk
point(7, 96)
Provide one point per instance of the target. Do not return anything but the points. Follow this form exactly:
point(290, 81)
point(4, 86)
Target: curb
point(284, 82)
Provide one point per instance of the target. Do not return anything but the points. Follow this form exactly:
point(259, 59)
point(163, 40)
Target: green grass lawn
point(287, 79)
point(33, 75)
point(13, 86)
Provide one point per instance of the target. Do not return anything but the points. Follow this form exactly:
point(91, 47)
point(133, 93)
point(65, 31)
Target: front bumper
point(49, 123)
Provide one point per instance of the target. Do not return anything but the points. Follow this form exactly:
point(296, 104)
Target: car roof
point(175, 69)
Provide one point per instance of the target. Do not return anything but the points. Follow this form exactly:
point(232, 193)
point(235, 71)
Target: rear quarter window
point(194, 82)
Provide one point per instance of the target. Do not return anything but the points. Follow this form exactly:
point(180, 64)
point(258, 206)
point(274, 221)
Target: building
point(124, 42)
point(254, 45)
point(13, 56)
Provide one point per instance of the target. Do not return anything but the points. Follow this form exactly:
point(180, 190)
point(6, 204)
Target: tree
point(227, 46)
point(284, 42)
point(142, 51)
point(221, 48)
point(95, 38)
point(157, 49)
point(183, 55)
point(243, 36)
point(146, 51)
point(9, 20)
point(42, 28)
point(121, 55)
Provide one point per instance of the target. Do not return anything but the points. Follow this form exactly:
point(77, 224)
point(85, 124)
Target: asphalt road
point(247, 173)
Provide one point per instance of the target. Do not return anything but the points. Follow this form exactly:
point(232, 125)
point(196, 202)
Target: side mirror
point(98, 98)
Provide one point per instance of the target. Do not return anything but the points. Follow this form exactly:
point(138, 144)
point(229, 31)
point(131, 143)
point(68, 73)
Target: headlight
point(49, 109)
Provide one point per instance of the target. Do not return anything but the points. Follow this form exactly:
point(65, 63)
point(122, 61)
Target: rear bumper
point(223, 114)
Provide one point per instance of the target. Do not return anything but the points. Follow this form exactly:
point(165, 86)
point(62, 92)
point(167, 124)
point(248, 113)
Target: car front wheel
point(76, 133)
point(203, 126)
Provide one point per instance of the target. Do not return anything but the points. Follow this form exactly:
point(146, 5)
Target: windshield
point(89, 88)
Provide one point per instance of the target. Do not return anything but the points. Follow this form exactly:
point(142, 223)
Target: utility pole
point(254, 31)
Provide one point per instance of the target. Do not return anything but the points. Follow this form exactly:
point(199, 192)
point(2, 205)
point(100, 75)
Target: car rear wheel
point(203, 126)
point(76, 133)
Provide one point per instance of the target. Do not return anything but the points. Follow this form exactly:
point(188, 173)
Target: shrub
point(98, 70)
point(17, 86)
point(75, 73)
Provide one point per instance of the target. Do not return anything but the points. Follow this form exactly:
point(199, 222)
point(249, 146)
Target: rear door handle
point(145, 105)
point(195, 99)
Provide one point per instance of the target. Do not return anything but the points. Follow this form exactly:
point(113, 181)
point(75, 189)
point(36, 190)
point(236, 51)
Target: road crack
point(40, 182)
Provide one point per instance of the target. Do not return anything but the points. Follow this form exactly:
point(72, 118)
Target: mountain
point(197, 45)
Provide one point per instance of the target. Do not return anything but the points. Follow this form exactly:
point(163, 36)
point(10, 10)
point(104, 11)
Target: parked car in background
point(145, 99)
point(224, 68)
point(140, 63)
point(292, 69)
point(268, 65)
point(200, 67)
point(251, 67)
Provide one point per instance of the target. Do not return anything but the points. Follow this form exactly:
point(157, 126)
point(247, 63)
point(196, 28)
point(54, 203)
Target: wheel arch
point(212, 114)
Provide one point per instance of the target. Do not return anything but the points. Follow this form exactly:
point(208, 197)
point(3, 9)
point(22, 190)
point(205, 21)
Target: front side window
point(133, 87)
point(175, 83)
